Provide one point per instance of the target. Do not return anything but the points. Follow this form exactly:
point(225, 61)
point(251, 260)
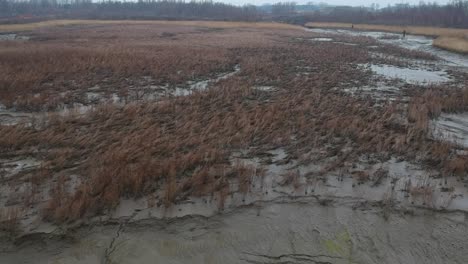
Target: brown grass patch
point(452, 43)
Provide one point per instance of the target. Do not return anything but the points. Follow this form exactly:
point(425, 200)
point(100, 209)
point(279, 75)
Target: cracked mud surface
point(284, 231)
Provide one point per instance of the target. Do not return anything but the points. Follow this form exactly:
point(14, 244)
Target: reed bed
point(178, 147)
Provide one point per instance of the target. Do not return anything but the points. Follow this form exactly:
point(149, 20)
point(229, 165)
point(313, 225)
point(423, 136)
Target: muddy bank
point(370, 212)
point(284, 231)
point(394, 183)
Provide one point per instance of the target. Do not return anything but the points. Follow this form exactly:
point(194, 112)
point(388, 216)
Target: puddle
point(93, 96)
point(9, 118)
point(452, 127)
point(265, 88)
point(203, 85)
point(379, 92)
point(412, 76)
point(182, 91)
point(345, 43)
point(9, 168)
point(322, 39)
point(12, 37)
point(77, 109)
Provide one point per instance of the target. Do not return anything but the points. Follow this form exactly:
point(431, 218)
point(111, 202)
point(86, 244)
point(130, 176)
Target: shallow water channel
point(412, 42)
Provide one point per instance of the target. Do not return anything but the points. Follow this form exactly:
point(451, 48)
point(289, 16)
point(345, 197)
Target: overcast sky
point(382, 3)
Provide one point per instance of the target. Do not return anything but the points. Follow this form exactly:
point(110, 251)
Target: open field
point(111, 123)
point(213, 24)
point(446, 38)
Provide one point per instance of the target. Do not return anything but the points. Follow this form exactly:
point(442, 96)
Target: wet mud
point(452, 127)
point(299, 231)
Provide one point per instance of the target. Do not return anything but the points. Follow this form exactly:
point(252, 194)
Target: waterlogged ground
point(393, 79)
point(370, 211)
point(97, 96)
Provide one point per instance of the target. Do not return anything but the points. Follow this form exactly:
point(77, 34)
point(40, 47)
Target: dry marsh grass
point(452, 43)
point(208, 24)
point(177, 147)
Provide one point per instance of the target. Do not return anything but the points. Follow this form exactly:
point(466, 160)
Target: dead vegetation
point(452, 43)
point(47, 73)
point(178, 147)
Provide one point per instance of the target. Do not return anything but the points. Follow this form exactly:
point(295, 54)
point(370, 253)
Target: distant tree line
point(453, 14)
point(115, 9)
point(283, 9)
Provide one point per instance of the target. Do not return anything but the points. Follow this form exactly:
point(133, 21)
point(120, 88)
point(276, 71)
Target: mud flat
point(299, 231)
